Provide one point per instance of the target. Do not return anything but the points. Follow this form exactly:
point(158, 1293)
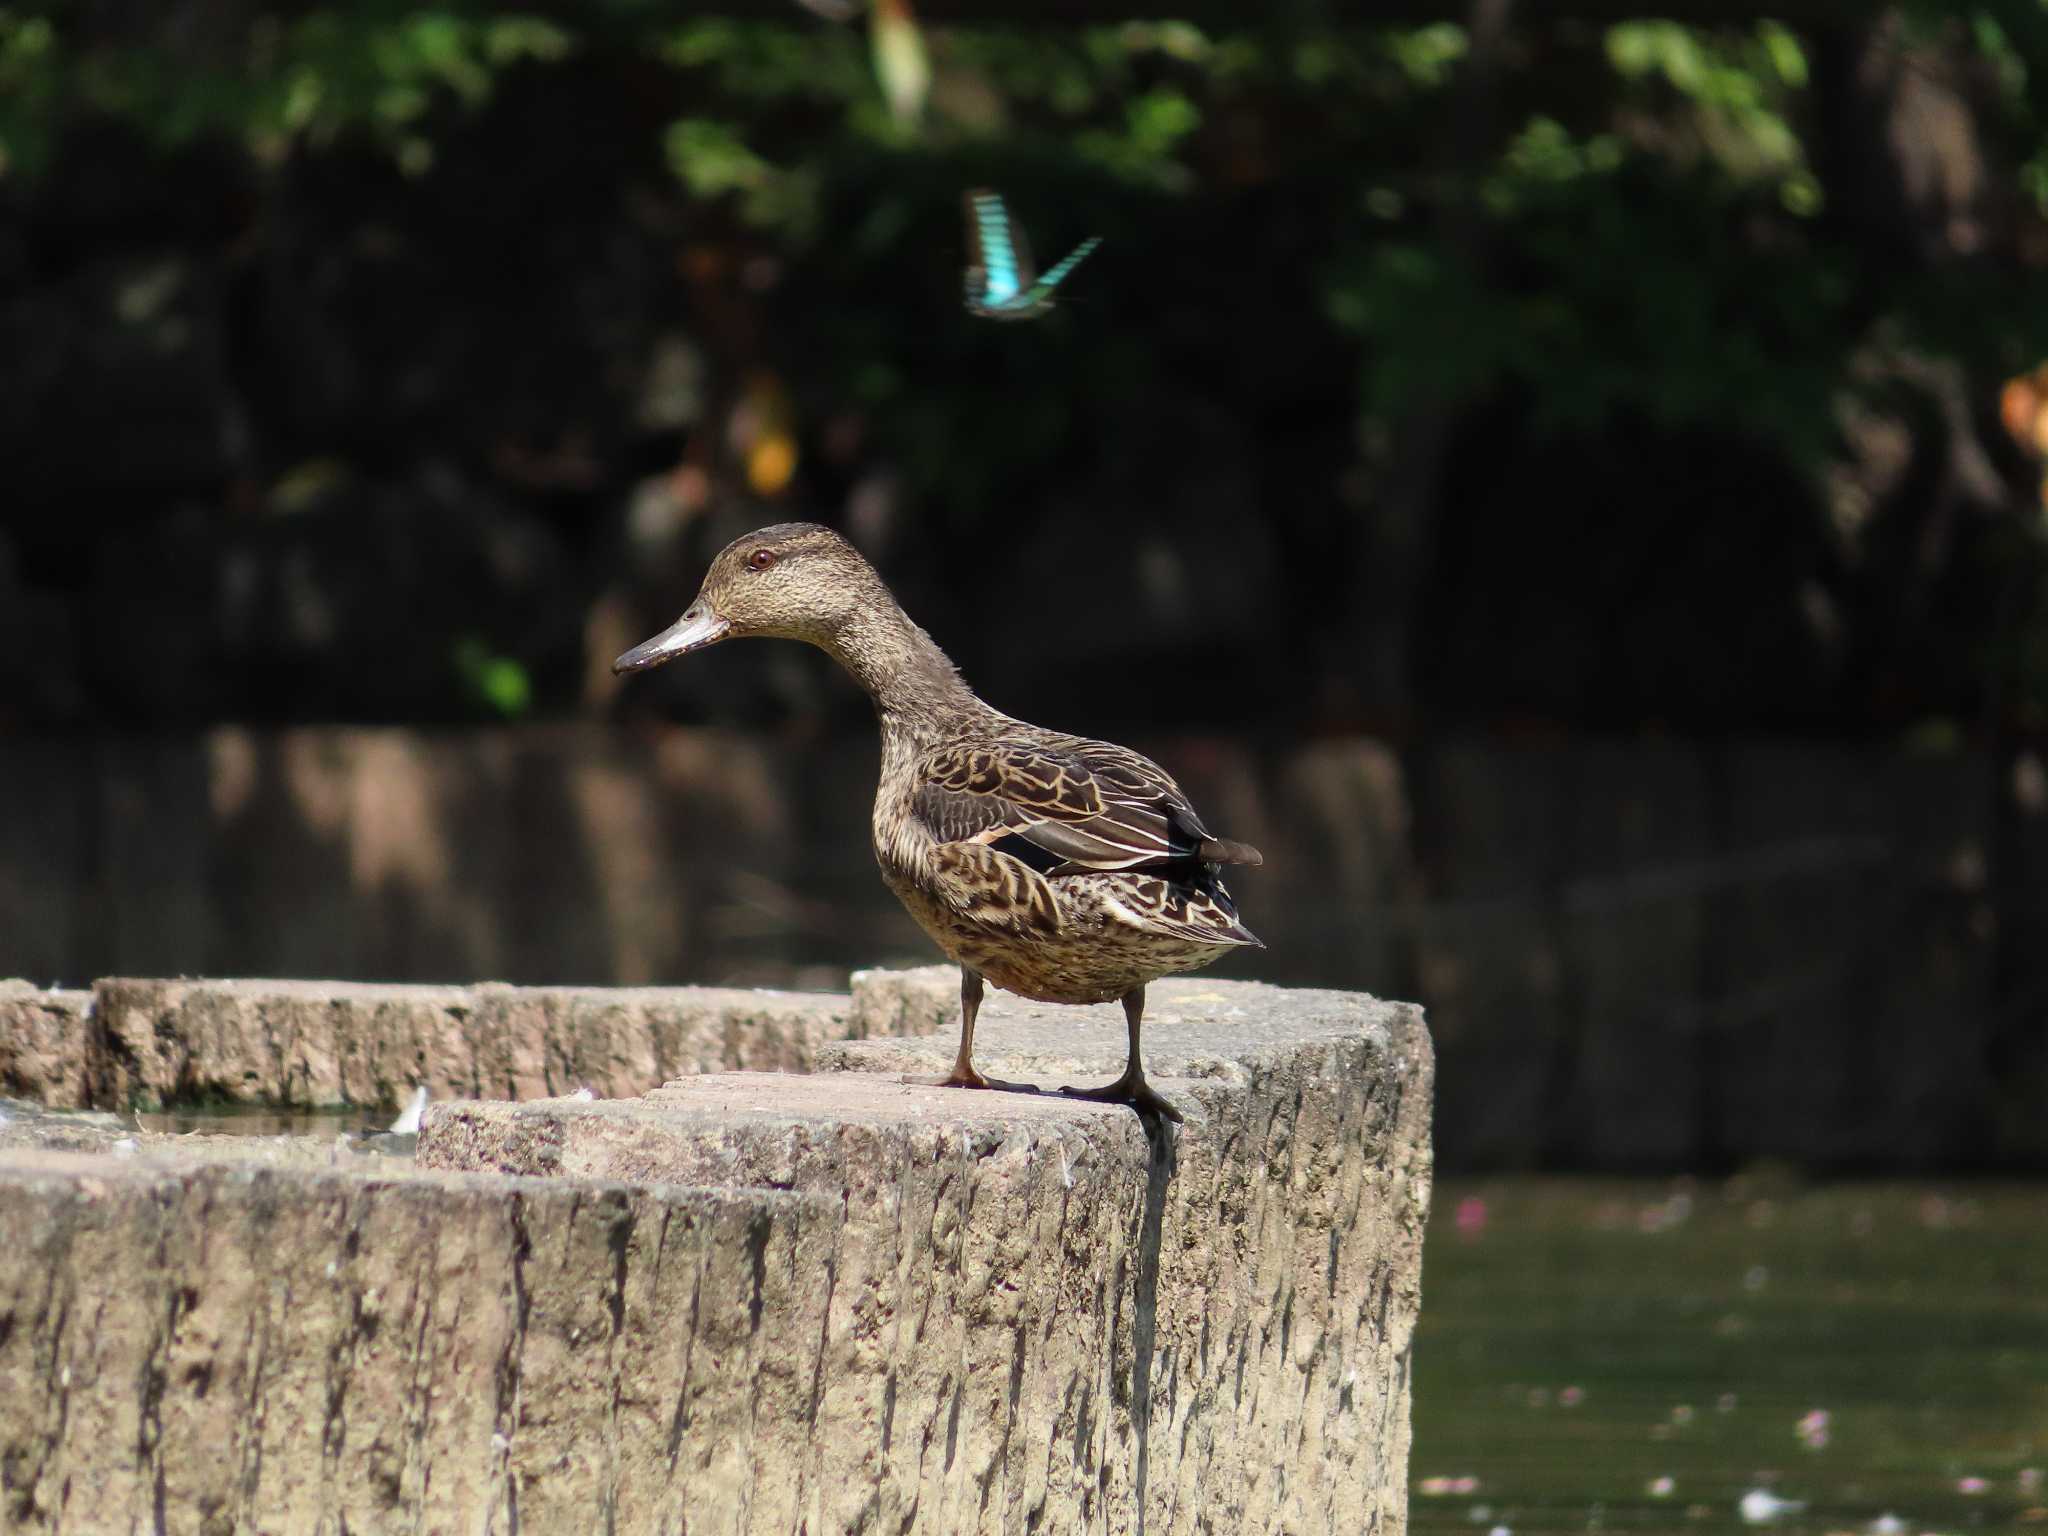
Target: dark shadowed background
point(1565, 485)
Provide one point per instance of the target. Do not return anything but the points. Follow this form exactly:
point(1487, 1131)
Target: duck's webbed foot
point(961, 1076)
point(1131, 1089)
point(967, 1077)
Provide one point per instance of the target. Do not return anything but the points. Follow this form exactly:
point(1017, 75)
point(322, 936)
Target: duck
point(1052, 866)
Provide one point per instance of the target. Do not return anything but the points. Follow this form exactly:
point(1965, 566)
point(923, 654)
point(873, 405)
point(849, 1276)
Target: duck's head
point(794, 581)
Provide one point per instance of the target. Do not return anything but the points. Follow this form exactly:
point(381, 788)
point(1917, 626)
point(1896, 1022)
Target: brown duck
point(1056, 867)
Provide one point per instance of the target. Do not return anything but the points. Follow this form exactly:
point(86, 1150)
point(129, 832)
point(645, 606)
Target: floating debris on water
point(408, 1121)
point(1666, 1214)
point(1442, 1487)
point(1760, 1506)
point(1812, 1430)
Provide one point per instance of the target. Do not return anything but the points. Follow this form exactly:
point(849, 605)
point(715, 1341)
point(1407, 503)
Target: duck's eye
point(760, 559)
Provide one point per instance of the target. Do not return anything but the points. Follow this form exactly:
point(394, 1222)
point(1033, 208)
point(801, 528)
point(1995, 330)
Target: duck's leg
point(1131, 1088)
point(963, 1074)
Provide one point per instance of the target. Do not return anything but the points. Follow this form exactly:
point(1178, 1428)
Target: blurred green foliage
point(1608, 193)
point(282, 84)
point(1629, 227)
point(497, 682)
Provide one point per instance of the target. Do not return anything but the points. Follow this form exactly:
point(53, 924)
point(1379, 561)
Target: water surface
point(1637, 1357)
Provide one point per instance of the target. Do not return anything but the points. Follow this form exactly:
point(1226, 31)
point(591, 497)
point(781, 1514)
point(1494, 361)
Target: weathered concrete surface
point(317, 1042)
point(221, 1348)
point(1035, 1320)
point(43, 1044)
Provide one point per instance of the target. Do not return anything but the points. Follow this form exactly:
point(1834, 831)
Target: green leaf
point(709, 158)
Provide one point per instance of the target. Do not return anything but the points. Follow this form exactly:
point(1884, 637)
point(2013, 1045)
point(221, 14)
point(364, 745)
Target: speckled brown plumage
point(1058, 867)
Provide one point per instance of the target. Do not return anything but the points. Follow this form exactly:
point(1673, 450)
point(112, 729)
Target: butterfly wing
point(1042, 289)
point(976, 275)
point(994, 275)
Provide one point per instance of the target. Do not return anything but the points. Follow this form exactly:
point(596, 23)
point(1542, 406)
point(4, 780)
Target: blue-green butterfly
point(1001, 284)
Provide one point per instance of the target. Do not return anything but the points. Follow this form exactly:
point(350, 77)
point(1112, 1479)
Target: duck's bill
point(692, 632)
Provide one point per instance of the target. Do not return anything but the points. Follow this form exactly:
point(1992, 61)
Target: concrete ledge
point(323, 1043)
point(1038, 1319)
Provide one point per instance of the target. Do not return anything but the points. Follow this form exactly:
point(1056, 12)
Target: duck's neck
point(917, 691)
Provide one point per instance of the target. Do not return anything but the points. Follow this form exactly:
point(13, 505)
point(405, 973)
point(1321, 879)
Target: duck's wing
point(1064, 805)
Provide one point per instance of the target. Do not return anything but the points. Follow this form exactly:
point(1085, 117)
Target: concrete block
point(277, 1042)
point(207, 1347)
point(531, 1042)
point(43, 1044)
point(745, 1302)
point(323, 1042)
point(1039, 1318)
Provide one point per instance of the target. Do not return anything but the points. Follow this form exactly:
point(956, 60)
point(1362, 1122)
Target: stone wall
point(759, 1302)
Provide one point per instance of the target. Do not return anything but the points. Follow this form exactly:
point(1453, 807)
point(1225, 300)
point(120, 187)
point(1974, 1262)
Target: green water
point(1635, 1357)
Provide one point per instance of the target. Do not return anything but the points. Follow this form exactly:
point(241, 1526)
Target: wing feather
point(995, 892)
point(1080, 805)
point(1199, 909)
